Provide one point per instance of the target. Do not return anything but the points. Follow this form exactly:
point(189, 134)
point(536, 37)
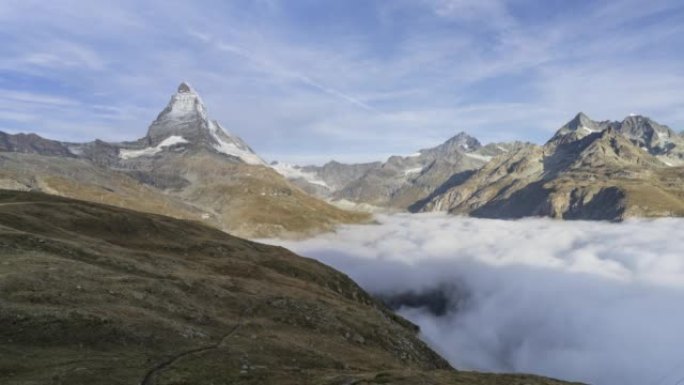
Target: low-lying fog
point(587, 301)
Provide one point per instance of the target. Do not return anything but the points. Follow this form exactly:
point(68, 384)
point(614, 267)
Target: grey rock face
point(405, 182)
point(337, 175)
point(657, 139)
point(579, 127)
point(588, 170)
point(33, 144)
point(185, 116)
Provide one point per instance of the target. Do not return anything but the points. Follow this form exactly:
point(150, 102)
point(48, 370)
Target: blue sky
point(310, 80)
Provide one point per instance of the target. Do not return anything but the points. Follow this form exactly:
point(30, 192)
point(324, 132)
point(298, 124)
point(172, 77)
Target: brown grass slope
point(92, 294)
point(80, 179)
point(245, 200)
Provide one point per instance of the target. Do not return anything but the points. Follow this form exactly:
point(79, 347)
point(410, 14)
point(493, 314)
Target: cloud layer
point(586, 301)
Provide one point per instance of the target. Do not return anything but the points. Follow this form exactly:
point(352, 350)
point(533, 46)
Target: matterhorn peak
point(186, 103)
point(184, 112)
point(185, 87)
point(184, 122)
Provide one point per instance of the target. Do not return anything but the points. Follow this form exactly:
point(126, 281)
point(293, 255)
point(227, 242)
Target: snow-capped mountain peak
point(185, 87)
point(461, 142)
point(582, 123)
point(579, 127)
point(186, 117)
point(186, 103)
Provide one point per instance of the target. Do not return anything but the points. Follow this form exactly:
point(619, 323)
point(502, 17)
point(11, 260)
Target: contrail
point(334, 92)
point(278, 70)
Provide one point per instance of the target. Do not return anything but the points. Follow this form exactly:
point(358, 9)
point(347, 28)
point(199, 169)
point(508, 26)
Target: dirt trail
point(149, 377)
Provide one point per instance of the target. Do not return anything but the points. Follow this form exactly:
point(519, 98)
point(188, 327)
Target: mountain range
point(605, 170)
point(401, 182)
point(588, 169)
point(186, 166)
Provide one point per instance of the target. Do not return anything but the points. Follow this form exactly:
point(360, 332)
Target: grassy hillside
point(93, 294)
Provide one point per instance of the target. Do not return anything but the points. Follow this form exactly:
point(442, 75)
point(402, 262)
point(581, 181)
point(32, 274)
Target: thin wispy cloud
point(300, 79)
point(276, 70)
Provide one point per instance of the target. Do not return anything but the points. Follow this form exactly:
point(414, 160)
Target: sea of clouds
point(597, 302)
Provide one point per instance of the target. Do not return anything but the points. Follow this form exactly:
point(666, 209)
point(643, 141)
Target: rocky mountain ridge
point(187, 165)
point(587, 170)
point(401, 182)
point(183, 145)
point(614, 163)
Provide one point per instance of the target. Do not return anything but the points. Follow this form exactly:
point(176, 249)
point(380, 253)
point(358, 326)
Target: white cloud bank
point(594, 302)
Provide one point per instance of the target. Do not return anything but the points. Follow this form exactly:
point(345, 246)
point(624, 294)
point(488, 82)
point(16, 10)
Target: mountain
point(657, 139)
point(94, 294)
point(80, 179)
point(587, 170)
point(187, 165)
point(579, 127)
point(184, 124)
point(32, 144)
point(402, 182)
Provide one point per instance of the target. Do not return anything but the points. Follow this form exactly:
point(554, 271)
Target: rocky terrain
point(187, 166)
point(94, 294)
point(606, 170)
point(588, 170)
point(402, 182)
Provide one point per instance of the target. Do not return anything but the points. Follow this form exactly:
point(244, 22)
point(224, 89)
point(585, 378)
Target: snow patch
point(414, 170)
point(233, 147)
point(662, 135)
point(501, 148)
point(354, 206)
point(414, 155)
point(478, 156)
point(186, 103)
point(290, 171)
point(149, 151)
point(76, 150)
point(587, 129)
